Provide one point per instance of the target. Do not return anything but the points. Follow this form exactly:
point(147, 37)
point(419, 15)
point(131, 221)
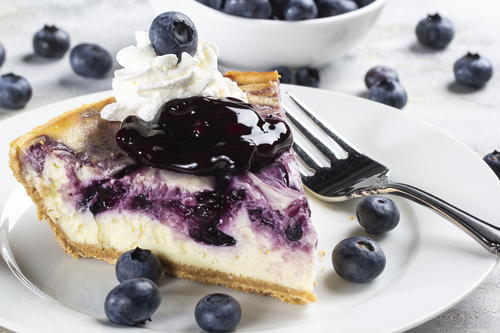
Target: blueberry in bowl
point(216, 4)
point(473, 71)
point(15, 91)
point(358, 259)
point(261, 43)
point(389, 92)
point(90, 61)
point(435, 31)
point(294, 10)
point(51, 42)
point(328, 8)
point(260, 9)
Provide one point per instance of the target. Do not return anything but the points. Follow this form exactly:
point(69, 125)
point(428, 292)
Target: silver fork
point(351, 174)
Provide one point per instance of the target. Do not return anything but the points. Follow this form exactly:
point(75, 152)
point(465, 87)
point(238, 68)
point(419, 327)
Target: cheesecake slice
point(255, 236)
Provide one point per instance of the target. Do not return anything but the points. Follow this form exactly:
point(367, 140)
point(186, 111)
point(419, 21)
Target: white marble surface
point(471, 116)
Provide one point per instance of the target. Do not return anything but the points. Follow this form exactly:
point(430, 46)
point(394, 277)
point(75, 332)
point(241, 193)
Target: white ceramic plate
point(431, 264)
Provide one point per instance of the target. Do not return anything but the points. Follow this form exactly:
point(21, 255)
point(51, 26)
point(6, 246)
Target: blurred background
point(472, 116)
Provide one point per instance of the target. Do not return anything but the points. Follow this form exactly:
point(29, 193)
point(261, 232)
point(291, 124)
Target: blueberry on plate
point(379, 73)
point(90, 60)
point(295, 10)
point(377, 214)
point(307, 76)
point(493, 160)
point(435, 31)
point(389, 92)
point(15, 91)
point(138, 263)
point(132, 302)
point(173, 33)
point(362, 3)
point(472, 70)
point(51, 42)
point(335, 7)
point(260, 9)
point(358, 259)
point(2, 54)
point(286, 74)
point(217, 313)
point(216, 4)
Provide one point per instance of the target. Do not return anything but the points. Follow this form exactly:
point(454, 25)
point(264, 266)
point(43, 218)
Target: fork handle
point(483, 232)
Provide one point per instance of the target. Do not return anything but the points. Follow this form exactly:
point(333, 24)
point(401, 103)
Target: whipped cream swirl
point(148, 81)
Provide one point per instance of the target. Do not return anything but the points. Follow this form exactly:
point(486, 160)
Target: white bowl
point(258, 44)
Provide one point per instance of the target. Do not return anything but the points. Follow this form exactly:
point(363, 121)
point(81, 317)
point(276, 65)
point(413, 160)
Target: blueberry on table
point(377, 214)
point(248, 8)
point(379, 73)
point(138, 263)
point(435, 31)
point(358, 259)
point(307, 76)
point(389, 92)
point(173, 33)
point(132, 302)
point(217, 313)
point(51, 42)
point(2, 54)
point(493, 160)
point(216, 4)
point(286, 74)
point(335, 7)
point(472, 70)
point(295, 10)
point(15, 91)
point(90, 60)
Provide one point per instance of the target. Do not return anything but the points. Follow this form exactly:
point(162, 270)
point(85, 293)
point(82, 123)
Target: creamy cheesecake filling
point(270, 198)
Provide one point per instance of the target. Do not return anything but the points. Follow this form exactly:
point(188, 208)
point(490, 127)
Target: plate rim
point(7, 323)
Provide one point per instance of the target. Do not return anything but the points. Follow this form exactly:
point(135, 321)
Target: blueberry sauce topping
point(205, 137)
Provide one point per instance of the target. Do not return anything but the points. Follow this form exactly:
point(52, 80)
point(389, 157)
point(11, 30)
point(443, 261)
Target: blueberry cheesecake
point(186, 162)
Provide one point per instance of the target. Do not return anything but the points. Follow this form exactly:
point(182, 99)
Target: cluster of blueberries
point(137, 297)
point(87, 60)
point(434, 32)
point(358, 259)
point(288, 10)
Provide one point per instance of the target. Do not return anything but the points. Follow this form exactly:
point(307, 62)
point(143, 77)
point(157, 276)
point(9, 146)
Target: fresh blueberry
point(362, 3)
point(216, 4)
point(358, 259)
point(138, 263)
point(286, 74)
point(472, 70)
point(493, 160)
point(217, 313)
point(294, 10)
point(2, 54)
point(90, 60)
point(335, 7)
point(173, 33)
point(307, 76)
point(435, 31)
point(389, 92)
point(51, 42)
point(15, 91)
point(132, 302)
point(377, 214)
point(249, 8)
point(379, 73)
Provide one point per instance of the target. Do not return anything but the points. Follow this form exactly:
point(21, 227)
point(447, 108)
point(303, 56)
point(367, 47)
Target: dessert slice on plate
point(209, 184)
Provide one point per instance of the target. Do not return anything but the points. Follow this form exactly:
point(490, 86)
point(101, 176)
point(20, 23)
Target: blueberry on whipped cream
point(148, 80)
